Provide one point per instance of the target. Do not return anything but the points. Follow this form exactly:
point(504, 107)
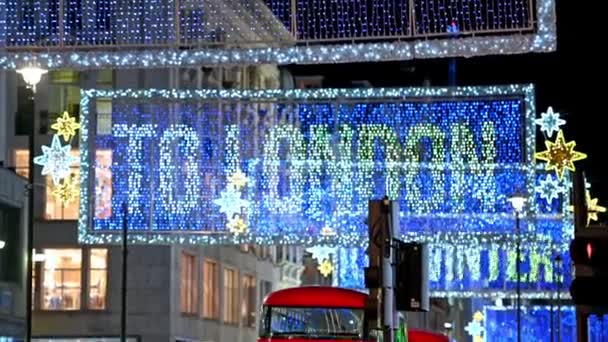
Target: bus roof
point(317, 296)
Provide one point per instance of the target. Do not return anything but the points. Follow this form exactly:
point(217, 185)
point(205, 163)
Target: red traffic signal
point(590, 251)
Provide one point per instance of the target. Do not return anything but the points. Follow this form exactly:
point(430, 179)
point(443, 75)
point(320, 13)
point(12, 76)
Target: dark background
point(563, 80)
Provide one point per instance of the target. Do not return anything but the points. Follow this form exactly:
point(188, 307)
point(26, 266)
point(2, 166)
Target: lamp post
point(31, 75)
point(518, 202)
point(558, 265)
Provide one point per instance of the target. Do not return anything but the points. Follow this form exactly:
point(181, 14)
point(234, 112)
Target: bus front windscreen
point(312, 323)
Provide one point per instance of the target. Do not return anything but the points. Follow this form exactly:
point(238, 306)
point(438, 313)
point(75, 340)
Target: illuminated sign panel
point(299, 166)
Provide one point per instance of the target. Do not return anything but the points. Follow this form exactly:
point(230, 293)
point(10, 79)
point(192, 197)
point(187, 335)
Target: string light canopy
point(301, 32)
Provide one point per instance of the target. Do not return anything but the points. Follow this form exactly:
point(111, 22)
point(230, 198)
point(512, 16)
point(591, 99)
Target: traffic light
point(377, 222)
point(411, 285)
point(589, 253)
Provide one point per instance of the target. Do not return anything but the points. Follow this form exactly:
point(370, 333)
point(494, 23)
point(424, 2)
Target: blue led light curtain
point(311, 163)
point(150, 22)
point(500, 324)
point(474, 270)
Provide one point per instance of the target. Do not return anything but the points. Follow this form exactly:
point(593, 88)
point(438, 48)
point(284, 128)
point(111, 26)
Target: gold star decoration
point(238, 179)
point(237, 225)
point(560, 155)
point(326, 268)
point(67, 191)
point(478, 338)
point(66, 126)
point(593, 208)
point(478, 316)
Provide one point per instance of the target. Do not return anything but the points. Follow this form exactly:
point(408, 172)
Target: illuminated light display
point(593, 207)
point(475, 270)
point(238, 179)
point(550, 122)
point(66, 126)
point(321, 253)
point(384, 33)
point(549, 189)
point(560, 155)
point(67, 191)
point(326, 268)
point(237, 225)
point(500, 324)
point(309, 163)
point(56, 160)
point(475, 327)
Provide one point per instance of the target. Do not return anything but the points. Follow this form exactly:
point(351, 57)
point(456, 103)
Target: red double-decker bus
point(321, 314)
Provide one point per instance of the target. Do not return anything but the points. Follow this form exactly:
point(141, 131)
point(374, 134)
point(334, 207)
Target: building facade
point(174, 293)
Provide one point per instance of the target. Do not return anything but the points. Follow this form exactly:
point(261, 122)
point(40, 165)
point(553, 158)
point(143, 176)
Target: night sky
point(562, 78)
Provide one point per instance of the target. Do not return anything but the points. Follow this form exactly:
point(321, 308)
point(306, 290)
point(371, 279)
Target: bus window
point(294, 322)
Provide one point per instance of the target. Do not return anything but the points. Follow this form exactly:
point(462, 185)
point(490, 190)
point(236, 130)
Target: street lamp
point(31, 75)
point(2, 244)
point(518, 202)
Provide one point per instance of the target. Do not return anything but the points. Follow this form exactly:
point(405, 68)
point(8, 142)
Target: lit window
point(22, 163)
point(248, 302)
point(104, 116)
point(188, 284)
point(211, 290)
point(61, 279)
point(231, 296)
point(98, 277)
point(103, 184)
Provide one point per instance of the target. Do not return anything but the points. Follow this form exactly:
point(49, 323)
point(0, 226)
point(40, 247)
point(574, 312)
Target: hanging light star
point(237, 225)
point(550, 188)
point(326, 268)
point(56, 160)
point(320, 253)
point(474, 328)
point(66, 126)
point(230, 202)
point(560, 155)
point(238, 179)
point(593, 208)
point(478, 316)
point(549, 122)
point(67, 191)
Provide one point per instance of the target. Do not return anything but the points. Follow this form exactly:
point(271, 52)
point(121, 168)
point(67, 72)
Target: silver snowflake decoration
point(321, 253)
point(550, 188)
point(549, 122)
point(474, 328)
point(230, 202)
point(56, 160)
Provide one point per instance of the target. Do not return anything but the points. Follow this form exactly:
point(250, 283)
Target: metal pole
point(518, 279)
point(123, 309)
point(559, 304)
point(30, 228)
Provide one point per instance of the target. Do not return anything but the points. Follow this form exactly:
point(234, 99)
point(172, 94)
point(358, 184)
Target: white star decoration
point(230, 202)
point(550, 188)
point(321, 253)
point(549, 122)
point(474, 328)
point(56, 160)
